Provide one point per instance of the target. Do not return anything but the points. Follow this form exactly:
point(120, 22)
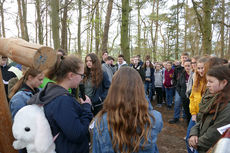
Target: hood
point(46, 95)
point(123, 63)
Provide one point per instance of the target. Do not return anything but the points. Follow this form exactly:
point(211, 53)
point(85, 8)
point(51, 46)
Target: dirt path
point(171, 138)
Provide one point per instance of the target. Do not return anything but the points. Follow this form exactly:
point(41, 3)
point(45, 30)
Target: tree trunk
point(186, 26)
point(2, 16)
point(138, 27)
point(164, 42)
point(47, 23)
point(156, 32)
point(205, 24)
point(106, 26)
point(24, 10)
point(222, 29)
point(125, 29)
point(79, 28)
point(55, 22)
point(228, 53)
point(92, 27)
point(151, 30)
point(36, 26)
point(22, 26)
point(70, 37)
point(88, 33)
point(64, 26)
point(177, 33)
point(97, 28)
point(39, 21)
point(207, 36)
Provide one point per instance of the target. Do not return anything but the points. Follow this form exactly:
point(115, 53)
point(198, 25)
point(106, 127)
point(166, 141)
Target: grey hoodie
point(47, 94)
point(158, 78)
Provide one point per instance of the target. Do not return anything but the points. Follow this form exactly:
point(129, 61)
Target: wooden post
point(6, 137)
point(28, 54)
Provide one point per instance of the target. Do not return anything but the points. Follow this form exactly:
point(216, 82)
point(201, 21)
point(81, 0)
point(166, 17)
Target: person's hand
point(147, 79)
point(193, 141)
point(194, 118)
point(87, 100)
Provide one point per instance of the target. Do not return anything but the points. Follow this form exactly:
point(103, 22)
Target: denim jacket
point(18, 101)
point(20, 98)
point(102, 142)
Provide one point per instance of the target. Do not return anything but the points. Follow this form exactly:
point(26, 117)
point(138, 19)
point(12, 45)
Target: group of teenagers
point(117, 104)
point(201, 90)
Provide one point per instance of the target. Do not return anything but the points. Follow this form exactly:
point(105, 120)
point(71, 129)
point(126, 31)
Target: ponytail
point(30, 72)
point(16, 87)
point(63, 65)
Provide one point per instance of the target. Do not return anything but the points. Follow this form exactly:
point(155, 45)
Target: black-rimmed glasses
point(82, 75)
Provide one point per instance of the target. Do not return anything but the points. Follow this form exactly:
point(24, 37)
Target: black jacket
point(181, 85)
point(6, 76)
point(177, 73)
point(141, 71)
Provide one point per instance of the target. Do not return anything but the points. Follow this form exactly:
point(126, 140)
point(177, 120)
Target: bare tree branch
point(198, 15)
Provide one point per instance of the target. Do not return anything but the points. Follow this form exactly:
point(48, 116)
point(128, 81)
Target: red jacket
point(168, 78)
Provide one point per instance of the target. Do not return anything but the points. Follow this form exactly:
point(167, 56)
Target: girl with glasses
point(67, 117)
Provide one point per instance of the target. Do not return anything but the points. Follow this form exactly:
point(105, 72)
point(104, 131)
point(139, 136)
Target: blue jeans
point(169, 96)
point(148, 89)
point(177, 106)
point(191, 124)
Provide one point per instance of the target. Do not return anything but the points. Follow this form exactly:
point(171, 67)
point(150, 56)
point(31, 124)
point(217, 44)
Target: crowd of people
point(117, 100)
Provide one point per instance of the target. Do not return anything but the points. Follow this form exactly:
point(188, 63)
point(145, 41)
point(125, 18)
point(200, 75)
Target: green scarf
point(208, 105)
point(207, 101)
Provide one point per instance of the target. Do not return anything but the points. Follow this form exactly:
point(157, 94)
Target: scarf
point(208, 105)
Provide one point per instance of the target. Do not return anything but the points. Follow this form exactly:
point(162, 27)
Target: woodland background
point(129, 27)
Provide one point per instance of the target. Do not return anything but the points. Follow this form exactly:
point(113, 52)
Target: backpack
point(31, 130)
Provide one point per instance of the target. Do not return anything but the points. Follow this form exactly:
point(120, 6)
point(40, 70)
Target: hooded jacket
point(67, 117)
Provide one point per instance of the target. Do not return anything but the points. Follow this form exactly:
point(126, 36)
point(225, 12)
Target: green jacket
point(206, 129)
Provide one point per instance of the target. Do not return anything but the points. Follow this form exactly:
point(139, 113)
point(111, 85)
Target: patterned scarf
point(209, 105)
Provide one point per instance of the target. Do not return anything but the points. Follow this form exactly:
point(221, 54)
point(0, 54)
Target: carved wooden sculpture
point(28, 54)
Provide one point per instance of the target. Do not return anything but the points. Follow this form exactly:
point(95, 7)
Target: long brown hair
point(64, 65)
point(30, 72)
point(96, 70)
point(221, 72)
point(150, 64)
point(127, 111)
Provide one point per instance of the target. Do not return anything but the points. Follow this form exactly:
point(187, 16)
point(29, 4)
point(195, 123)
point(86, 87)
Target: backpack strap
point(55, 137)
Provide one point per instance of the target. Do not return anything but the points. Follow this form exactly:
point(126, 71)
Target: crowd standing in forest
point(121, 97)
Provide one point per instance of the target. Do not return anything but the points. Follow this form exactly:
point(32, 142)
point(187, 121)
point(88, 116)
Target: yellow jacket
point(195, 99)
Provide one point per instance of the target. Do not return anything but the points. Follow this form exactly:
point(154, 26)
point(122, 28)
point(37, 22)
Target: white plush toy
point(32, 130)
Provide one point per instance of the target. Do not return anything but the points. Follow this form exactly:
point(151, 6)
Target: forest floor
point(171, 138)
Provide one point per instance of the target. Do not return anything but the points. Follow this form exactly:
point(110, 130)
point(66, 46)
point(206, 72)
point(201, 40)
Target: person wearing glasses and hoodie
point(67, 117)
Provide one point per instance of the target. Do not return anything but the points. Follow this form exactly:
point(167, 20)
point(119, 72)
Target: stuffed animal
point(31, 130)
